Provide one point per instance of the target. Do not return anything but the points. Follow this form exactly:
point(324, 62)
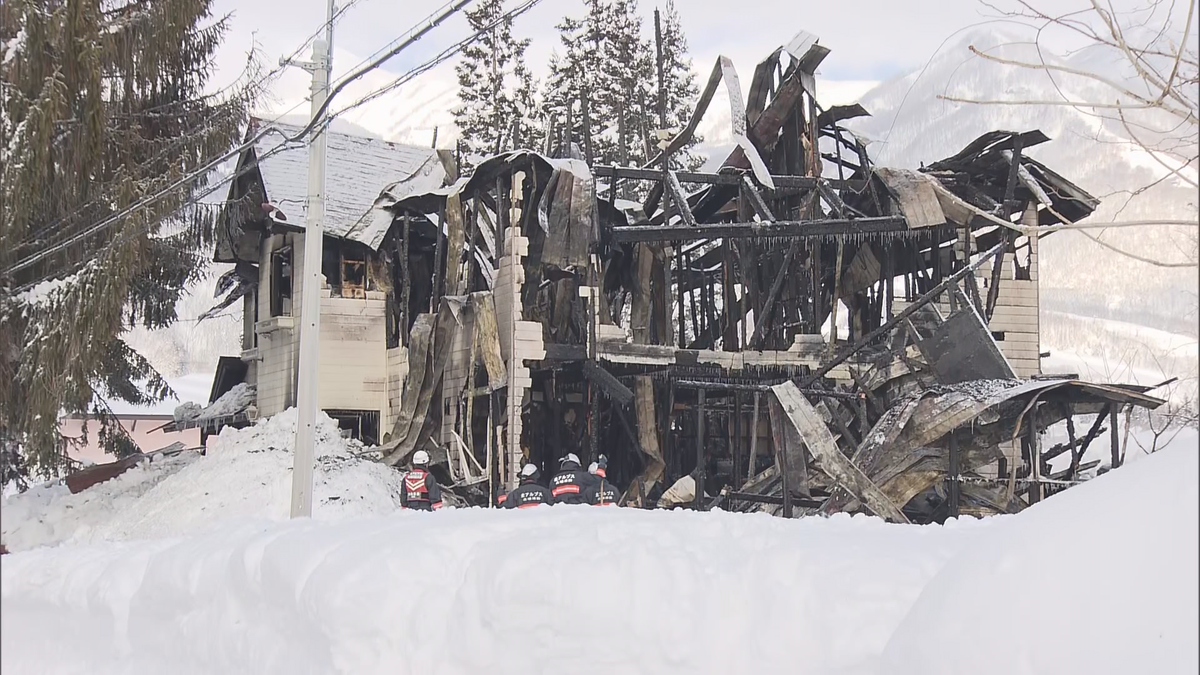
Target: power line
point(260, 85)
point(529, 4)
point(416, 34)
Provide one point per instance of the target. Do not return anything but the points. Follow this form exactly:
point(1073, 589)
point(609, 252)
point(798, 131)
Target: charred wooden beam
point(740, 386)
point(783, 229)
point(771, 499)
point(680, 199)
point(756, 200)
point(781, 181)
point(608, 383)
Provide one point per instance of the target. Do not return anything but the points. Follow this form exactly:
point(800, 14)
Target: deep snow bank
point(246, 475)
point(1103, 578)
point(1100, 579)
point(552, 590)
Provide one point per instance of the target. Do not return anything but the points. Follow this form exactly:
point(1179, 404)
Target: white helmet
point(420, 458)
point(571, 457)
point(528, 470)
point(593, 468)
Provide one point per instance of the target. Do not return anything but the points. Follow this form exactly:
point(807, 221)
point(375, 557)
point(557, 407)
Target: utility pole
point(310, 289)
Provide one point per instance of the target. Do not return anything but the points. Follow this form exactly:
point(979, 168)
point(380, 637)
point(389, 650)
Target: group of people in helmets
point(571, 485)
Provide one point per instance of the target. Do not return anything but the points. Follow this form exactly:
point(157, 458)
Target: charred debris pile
point(798, 332)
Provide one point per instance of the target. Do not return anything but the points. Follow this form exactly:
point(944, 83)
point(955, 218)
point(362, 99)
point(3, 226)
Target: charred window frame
point(344, 265)
point(358, 424)
point(282, 272)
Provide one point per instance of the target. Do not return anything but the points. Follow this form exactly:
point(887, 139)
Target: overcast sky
point(871, 40)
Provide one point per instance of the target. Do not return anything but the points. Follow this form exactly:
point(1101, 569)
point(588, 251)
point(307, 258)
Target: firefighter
point(420, 491)
point(529, 493)
point(570, 481)
point(600, 492)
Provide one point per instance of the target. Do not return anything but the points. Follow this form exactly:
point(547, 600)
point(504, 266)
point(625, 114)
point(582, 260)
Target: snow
point(1111, 567)
point(245, 476)
point(231, 402)
point(586, 590)
point(558, 589)
point(14, 46)
point(45, 290)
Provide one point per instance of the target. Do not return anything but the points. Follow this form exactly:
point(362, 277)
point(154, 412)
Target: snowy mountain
point(910, 125)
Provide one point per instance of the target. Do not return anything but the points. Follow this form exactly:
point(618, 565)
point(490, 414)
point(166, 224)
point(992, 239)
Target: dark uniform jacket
point(601, 493)
point(420, 491)
point(526, 495)
point(568, 485)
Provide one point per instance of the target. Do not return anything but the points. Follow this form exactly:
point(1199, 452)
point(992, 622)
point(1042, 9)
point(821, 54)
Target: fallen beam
point(782, 228)
point(608, 383)
point(828, 457)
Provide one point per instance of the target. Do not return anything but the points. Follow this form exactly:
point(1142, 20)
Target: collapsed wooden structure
point(799, 331)
point(778, 337)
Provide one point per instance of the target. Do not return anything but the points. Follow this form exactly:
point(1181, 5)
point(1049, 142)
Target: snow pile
point(1103, 578)
point(1099, 579)
point(558, 589)
point(246, 474)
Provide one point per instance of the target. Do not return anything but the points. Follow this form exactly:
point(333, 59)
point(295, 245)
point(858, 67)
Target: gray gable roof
point(357, 169)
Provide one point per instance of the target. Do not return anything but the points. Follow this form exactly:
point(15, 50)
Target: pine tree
point(571, 79)
point(103, 104)
point(498, 94)
point(680, 87)
point(625, 95)
point(608, 64)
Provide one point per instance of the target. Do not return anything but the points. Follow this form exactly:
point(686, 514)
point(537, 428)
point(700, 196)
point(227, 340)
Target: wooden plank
point(828, 457)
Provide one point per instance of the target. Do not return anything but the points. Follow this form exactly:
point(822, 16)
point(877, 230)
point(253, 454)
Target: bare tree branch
point(1127, 254)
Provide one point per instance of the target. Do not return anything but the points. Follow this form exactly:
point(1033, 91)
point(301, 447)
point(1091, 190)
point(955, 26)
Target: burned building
point(800, 331)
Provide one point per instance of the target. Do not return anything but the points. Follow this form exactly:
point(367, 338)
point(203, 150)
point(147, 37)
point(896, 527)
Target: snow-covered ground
point(1101, 578)
point(245, 477)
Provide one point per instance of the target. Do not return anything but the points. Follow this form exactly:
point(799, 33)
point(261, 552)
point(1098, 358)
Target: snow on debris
point(246, 474)
point(232, 402)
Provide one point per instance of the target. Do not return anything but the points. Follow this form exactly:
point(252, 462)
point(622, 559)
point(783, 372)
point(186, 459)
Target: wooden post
point(1075, 452)
point(735, 450)
point(679, 279)
point(474, 246)
point(1035, 457)
point(837, 282)
point(699, 500)
point(952, 484)
point(753, 438)
point(407, 270)
point(439, 248)
point(1116, 442)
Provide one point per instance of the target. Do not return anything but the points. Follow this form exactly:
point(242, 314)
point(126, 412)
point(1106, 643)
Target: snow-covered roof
point(358, 168)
